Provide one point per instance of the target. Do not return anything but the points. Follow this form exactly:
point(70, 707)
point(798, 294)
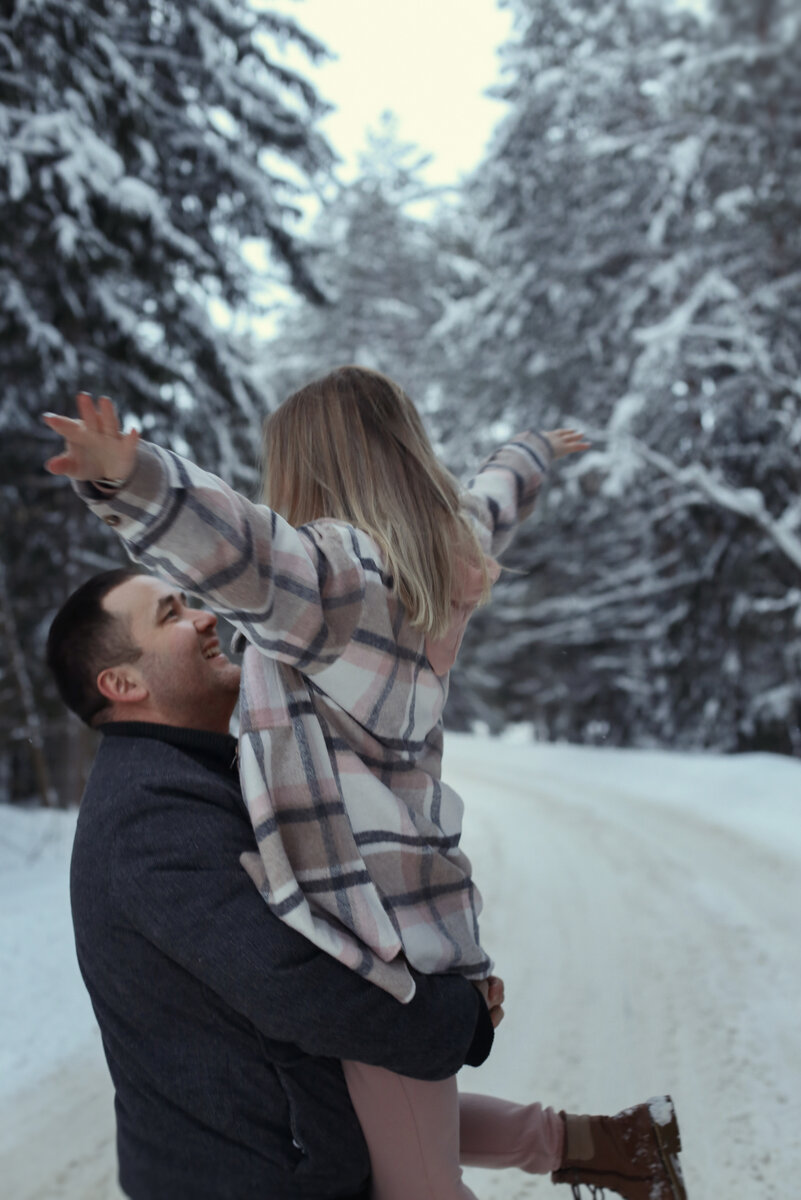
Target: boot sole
point(668, 1141)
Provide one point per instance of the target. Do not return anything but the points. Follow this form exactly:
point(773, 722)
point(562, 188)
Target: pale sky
point(427, 60)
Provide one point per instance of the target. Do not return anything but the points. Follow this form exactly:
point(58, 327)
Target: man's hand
point(495, 999)
point(493, 991)
point(565, 441)
point(94, 446)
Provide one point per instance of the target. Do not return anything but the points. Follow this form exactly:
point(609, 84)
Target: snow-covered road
point(648, 907)
point(645, 911)
point(57, 1137)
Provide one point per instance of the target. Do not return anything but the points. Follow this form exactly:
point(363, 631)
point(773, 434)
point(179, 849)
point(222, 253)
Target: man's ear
point(122, 685)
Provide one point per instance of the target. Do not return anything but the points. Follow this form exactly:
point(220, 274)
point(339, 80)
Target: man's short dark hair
point(84, 640)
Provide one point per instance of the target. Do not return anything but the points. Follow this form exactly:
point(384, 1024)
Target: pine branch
point(746, 502)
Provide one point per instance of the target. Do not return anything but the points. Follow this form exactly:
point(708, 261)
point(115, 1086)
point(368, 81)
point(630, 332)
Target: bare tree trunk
point(33, 724)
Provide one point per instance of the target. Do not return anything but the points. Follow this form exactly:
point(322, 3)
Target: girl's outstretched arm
point(505, 488)
point(295, 594)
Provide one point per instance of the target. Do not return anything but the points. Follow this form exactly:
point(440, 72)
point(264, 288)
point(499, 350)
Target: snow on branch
point(713, 285)
point(40, 335)
point(771, 294)
point(576, 607)
point(230, 18)
point(746, 502)
point(759, 605)
point(746, 52)
point(684, 162)
point(138, 201)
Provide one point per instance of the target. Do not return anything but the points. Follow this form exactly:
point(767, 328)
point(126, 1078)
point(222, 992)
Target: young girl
point(352, 591)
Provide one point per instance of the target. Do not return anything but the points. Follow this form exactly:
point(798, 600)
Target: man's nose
point(204, 620)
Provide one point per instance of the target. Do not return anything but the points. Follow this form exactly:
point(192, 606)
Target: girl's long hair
point(351, 447)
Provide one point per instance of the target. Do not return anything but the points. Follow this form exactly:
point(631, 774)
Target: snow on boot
point(635, 1154)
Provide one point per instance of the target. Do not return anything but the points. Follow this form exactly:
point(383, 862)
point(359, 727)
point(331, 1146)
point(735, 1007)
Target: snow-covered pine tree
point(640, 205)
point(557, 209)
point(386, 268)
point(715, 381)
point(140, 145)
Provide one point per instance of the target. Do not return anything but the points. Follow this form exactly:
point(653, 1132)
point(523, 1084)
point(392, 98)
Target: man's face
point(189, 680)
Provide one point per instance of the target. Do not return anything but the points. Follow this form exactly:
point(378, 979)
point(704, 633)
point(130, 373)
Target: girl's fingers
point(89, 416)
point(567, 441)
point(68, 428)
point(60, 465)
point(101, 420)
point(566, 435)
point(108, 417)
point(83, 403)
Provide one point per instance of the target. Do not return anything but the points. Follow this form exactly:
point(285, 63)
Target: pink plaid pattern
point(340, 716)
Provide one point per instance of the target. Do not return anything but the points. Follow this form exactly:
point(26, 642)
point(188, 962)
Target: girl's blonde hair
point(351, 447)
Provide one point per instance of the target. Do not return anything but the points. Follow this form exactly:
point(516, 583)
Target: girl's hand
point(94, 446)
point(565, 441)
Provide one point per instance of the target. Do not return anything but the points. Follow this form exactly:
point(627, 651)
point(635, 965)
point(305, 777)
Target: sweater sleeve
point(505, 489)
point(189, 897)
point(295, 593)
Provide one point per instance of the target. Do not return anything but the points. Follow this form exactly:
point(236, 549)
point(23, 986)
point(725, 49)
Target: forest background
point(627, 259)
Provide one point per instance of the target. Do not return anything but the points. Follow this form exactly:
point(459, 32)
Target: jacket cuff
point(483, 1037)
point(145, 490)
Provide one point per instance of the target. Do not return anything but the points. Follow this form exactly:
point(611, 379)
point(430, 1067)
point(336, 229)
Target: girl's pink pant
point(419, 1132)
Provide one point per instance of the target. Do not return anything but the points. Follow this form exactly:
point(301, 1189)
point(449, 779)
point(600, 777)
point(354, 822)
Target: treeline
point(627, 258)
point(143, 144)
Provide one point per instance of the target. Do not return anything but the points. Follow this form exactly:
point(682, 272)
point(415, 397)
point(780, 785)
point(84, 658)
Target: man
point(222, 1027)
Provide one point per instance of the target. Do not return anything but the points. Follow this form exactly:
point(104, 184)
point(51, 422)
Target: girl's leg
point(496, 1133)
point(418, 1132)
point(411, 1127)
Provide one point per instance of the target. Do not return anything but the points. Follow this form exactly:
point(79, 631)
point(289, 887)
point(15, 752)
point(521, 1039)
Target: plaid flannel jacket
point(340, 741)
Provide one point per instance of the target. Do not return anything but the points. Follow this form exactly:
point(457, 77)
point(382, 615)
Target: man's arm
point(178, 876)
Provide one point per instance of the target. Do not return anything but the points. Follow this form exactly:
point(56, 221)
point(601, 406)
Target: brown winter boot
point(635, 1154)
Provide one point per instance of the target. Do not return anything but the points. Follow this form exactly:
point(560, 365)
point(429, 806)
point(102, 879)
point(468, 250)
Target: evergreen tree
point(640, 208)
point(386, 268)
point(716, 368)
point(141, 144)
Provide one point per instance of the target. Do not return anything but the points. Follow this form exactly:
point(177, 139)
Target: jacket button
point(112, 520)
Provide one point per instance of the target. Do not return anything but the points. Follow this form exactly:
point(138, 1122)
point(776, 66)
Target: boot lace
point(596, 1193)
